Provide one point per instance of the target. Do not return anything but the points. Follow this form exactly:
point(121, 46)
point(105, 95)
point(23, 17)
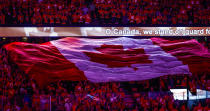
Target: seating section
point(20, 92)
point(102, 12)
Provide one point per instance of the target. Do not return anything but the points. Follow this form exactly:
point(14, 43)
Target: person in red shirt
point(184, 108)
point(87, 19)
point(107, 17)
point(154, 20)
point(118, 18)
point(131, 18)
point(171, 106)
point(114, 15)
point(174, 20)
point(39, 19)
point(2, 19)
point(33, 20)
point(26, 107)
point(8, 106)
point(36, 100)
point(45, 17)
point(20, 19)
point(163, 108)
point(57, 19)
point(51, 19)
point(75, 18)
point(198, 108)
point(81, 18)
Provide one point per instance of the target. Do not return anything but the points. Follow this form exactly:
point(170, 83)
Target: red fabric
point(46, 64)
point(43, 62)
point(190, 52)
point(115, 56)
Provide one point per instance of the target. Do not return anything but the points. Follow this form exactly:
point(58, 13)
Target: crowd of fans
point(85, 96)
point(61, 12)
point(162, 11)
point(42, 12)
point(18, 92)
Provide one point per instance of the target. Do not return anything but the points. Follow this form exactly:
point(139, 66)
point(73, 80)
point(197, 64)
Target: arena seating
point(20, 92)
point(102, 12)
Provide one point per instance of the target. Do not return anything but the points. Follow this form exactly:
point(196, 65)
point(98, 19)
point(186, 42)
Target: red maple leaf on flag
point(116, 56)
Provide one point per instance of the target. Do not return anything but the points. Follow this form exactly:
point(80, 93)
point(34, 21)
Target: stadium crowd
point(22, 94)
point(19, 92)
point(97, 12)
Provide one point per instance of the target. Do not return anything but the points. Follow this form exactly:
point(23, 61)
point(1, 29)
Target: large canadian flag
point(108, 60)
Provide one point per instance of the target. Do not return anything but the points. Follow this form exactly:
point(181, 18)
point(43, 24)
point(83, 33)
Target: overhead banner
point(103, 31)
